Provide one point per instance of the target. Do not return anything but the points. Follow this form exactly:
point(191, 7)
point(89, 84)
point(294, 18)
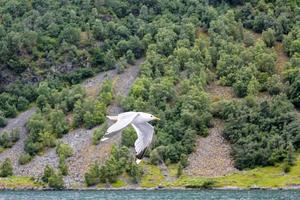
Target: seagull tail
point(138, 161)
point(113, 118)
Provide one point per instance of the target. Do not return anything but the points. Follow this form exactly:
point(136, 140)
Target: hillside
point(223, 76)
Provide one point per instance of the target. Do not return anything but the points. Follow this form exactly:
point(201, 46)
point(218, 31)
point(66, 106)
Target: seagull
point(139, 121)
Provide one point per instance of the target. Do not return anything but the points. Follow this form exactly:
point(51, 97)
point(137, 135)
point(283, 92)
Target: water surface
point(152, 195)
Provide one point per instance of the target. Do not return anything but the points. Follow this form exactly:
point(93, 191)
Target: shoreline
point(228, 188)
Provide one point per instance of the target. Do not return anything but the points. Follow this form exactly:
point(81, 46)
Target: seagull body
point(139, 121)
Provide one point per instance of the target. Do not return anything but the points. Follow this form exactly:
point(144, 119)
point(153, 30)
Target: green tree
point(6, 168)
point(268, 37)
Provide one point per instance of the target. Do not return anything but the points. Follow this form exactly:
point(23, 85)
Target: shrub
point(24, 158)
point(56, 181)
point(48, 172)
point(15, 135)
point(208, 184)
point(91, 177)
point(135, 171)
point(268, 37)
point(64, 150)
point(4, 140)
point(6, 168)
point(274, 85)
point(63, 168)
point(179, 170)
point(99, 133)
point(22, 104)
point(128, 137)
point(3, 121)
point(155, 158)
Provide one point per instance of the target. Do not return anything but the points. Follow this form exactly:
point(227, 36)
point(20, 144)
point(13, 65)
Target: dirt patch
point(282, 58)
point(218, 92)
point(212, 156)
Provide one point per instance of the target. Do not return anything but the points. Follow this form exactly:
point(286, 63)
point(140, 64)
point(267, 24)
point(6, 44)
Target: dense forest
point(48, 47)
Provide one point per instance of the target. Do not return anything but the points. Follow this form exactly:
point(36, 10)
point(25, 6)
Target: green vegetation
point(53, 45)
point(8, 139)
point(262, 133)
point(6, 168)
point(119, 162)
point(54, 180)
point(63, 151)
point(19, 182)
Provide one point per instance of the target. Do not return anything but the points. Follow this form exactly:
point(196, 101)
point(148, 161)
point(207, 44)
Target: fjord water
point(153, 195)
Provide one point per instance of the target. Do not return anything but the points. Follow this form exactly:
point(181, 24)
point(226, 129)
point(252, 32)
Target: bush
point(135, 171)
point(270, 127)
point(274, 85)
point(15, 135)
point(56, 181)
point(48, 172)
point(63, 168)
point(3, 120)
point(155, 158)
point(91, 177)
point(4, 140)
point(64, 150)
point(268, 37)
point(24, 158)
point(99, 133)
point(208, 184)
point(128, 137)
point(179, 170)
point(6, 168)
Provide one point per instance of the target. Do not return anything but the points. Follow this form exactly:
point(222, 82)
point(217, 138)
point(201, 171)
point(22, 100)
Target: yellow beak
point(156, 118)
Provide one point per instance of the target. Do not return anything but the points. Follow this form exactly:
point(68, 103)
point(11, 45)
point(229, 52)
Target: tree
point(70, 34)
point(56, 181)
point(92, 175)
point(274, 85)
point(128, 137)
point(3, 121)
point(6, 168)
point(59, 125)
point(48, 172)
point(268, 37)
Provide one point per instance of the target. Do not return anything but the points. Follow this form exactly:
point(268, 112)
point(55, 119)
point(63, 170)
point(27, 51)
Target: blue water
point(152, 195)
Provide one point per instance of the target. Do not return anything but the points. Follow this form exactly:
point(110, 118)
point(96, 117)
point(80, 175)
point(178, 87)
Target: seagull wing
point(145, 134)
point(124, 120)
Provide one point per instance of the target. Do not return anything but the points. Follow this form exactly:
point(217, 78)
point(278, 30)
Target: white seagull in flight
point(139, 121)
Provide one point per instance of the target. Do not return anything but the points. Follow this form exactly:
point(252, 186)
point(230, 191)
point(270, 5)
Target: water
point(152, 195)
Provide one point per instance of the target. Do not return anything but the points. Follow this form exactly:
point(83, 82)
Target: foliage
point(54, 180)
point(6, 168)
point(24, 158)
point(260, 134)
point(98, 134)
point(120, 161)
point(129, 136)
point(8, 139)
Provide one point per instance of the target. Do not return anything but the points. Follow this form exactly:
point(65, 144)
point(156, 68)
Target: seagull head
point(149, 117)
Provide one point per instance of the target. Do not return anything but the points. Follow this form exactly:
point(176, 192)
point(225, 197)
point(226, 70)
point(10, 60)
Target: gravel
point(80, 139)
point(212, 156)
point(14, 152)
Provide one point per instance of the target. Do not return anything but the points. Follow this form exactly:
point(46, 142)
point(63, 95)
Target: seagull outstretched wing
point(124, 120)
point(145, 134)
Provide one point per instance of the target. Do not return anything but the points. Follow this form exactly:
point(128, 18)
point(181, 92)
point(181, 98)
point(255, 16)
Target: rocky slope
point(80, 139)
point(212, 156)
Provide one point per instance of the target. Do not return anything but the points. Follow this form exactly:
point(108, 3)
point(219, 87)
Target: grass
point(267, 177)
point(15, 182)
point(152, 176)
point(119, 184)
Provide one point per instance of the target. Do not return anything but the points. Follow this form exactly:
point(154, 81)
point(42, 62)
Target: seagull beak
point(156, 118)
